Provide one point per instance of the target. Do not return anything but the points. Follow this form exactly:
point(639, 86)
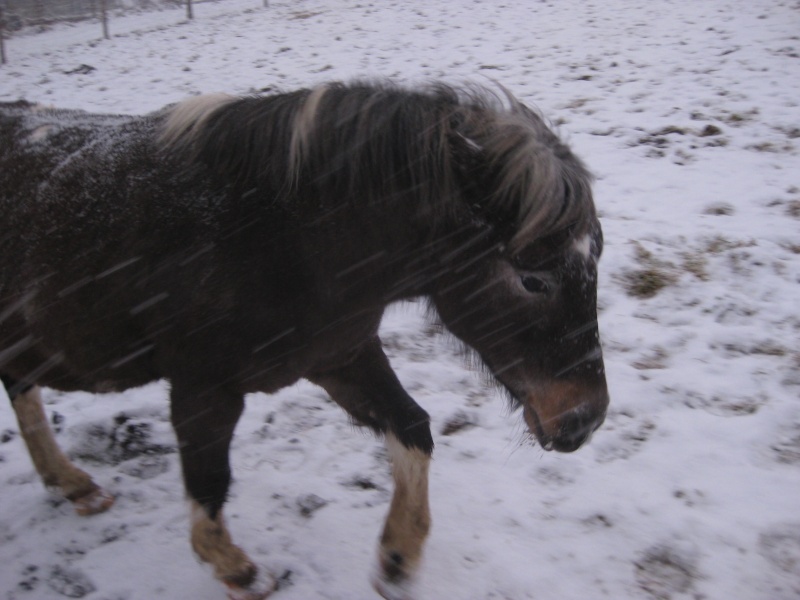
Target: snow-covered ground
point(688, 113)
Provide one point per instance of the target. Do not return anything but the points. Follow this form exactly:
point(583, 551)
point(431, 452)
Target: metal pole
point(189, 13)
point(104, 18)
point(2, 37)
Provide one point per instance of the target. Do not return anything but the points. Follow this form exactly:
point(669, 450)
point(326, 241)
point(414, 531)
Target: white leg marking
point(407, 524)
point(55, 469)
point(213, 544)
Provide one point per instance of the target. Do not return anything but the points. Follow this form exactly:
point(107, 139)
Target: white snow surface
point(690, 490)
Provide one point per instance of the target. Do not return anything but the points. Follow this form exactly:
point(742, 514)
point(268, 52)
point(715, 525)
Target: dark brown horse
point(233, 245)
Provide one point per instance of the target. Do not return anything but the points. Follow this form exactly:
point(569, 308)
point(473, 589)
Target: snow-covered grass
point(688, 114)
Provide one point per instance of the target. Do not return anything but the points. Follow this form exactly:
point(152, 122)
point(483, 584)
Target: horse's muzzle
point(565, 416)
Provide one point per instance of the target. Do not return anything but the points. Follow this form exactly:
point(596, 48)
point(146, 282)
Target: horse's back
point(73, 265)
point(122, 264)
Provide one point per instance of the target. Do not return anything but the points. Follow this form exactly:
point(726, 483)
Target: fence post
point(2, 37)
point(104, 18)
point(189, 13)
point(266, 3)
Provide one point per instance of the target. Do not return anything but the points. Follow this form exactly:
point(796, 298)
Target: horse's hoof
point(261, 588)
point(94, 502)
point(392, 589)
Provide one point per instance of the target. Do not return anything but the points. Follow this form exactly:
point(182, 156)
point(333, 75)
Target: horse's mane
point(365, 141)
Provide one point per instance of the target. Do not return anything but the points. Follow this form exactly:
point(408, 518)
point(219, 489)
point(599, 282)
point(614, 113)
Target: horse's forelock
point(536, 177)
point(553, 194)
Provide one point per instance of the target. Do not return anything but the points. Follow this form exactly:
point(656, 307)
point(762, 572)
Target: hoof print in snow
point(7, 435)
point(309, 504)
point(284, 580)
point(70, 550)
point(781, 547)
point(146, 467)
point(127, 438)
point(69, 582)
point(690, 498)
point(631, 434)
point(598, 521)
point(459, 422)
point(133, 437)
point(726, 406)
point(30, 579)
point(81, 70)
point(554, 476)
point(719, 209)
point(663, 572)
point(361, 482)
point(787, 448)
point(113, 533)
point(57, 420)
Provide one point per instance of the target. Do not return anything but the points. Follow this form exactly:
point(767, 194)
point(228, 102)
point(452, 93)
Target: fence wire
point(18, 14)
point(21, 13)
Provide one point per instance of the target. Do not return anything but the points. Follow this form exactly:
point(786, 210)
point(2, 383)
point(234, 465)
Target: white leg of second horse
point(55, 469)
point(407, 523)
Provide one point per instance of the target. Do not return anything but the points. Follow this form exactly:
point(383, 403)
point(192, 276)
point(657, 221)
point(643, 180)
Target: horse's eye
point(533, 284)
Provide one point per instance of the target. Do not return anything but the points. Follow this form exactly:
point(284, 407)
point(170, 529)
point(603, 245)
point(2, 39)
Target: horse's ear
point(468, 155)
point(478, 176)
point(474, 174)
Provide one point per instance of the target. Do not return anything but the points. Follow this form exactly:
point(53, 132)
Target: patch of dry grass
point(695, 263)
point(653, 276)
point(720, 244)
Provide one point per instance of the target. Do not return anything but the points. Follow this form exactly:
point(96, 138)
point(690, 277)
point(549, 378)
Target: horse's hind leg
point(55, 469)
point(370, 391)
point(204, 422)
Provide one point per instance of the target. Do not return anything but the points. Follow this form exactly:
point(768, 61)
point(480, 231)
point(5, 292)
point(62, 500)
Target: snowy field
point(689, 114)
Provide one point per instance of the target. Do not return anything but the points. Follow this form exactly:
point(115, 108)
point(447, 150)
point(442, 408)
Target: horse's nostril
point(575, 429)
point(558, 427)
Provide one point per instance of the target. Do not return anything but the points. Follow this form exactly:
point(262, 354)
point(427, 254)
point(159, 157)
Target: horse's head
point(531, 316)
point(521, 289)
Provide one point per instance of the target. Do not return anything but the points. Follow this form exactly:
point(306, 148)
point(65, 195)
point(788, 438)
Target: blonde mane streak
point(303, 128)
point(185, 119)
point(537, 173)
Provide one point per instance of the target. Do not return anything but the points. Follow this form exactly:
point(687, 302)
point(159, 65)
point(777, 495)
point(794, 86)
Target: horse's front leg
point(370, 392)
point(407, 523)
point(204, 423)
